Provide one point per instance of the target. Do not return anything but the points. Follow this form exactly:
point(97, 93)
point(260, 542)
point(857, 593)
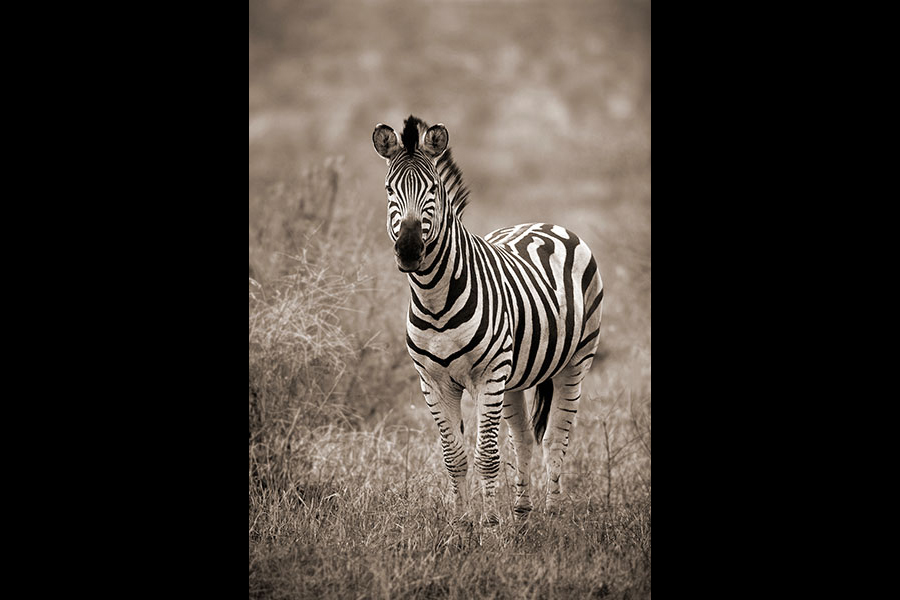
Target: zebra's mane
point(413, 128)
point(451, 176)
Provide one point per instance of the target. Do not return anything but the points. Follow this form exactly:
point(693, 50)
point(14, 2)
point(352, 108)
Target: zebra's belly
point(539, 357)
point(534, 357)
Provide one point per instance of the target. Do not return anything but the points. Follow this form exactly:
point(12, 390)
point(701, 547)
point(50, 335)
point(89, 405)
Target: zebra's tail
point(543, 396)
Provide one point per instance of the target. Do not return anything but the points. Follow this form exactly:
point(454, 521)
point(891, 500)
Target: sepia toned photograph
point(449, 291)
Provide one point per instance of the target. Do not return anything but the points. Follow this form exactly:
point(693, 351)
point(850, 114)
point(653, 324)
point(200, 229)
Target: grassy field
point(548, 108)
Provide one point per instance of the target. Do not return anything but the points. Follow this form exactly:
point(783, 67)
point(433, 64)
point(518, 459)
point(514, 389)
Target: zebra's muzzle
point(409, 249)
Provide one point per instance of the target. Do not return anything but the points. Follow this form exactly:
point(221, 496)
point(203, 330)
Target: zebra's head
point(416, 196)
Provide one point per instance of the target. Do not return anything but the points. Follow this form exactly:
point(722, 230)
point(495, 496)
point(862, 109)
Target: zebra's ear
point(386, 142)
point(436, 139)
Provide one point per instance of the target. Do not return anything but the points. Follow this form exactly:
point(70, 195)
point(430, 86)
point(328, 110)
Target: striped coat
point(517, 309)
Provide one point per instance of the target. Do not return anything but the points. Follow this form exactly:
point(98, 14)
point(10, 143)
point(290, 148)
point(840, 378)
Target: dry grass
point(363, 515)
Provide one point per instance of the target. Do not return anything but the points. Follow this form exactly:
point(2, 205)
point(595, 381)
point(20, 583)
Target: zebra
point(517, 309)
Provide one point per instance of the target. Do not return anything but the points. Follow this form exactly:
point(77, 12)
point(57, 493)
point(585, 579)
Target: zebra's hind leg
point(514, 412)
point(564, 406)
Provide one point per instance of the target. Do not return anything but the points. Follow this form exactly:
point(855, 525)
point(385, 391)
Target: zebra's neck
point(445, 281)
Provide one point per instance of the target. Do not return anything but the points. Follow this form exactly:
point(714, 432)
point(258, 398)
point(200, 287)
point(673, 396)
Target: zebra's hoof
point(520, 513)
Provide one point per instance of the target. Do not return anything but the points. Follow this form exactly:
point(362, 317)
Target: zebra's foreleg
point(487, 452)
point(444, 405)
point(521, 441)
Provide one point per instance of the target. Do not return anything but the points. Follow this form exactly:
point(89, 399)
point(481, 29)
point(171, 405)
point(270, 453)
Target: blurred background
point(548, 108)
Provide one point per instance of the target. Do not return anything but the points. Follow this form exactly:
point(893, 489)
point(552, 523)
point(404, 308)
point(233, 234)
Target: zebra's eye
point(433, 189)
point(389, 190)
